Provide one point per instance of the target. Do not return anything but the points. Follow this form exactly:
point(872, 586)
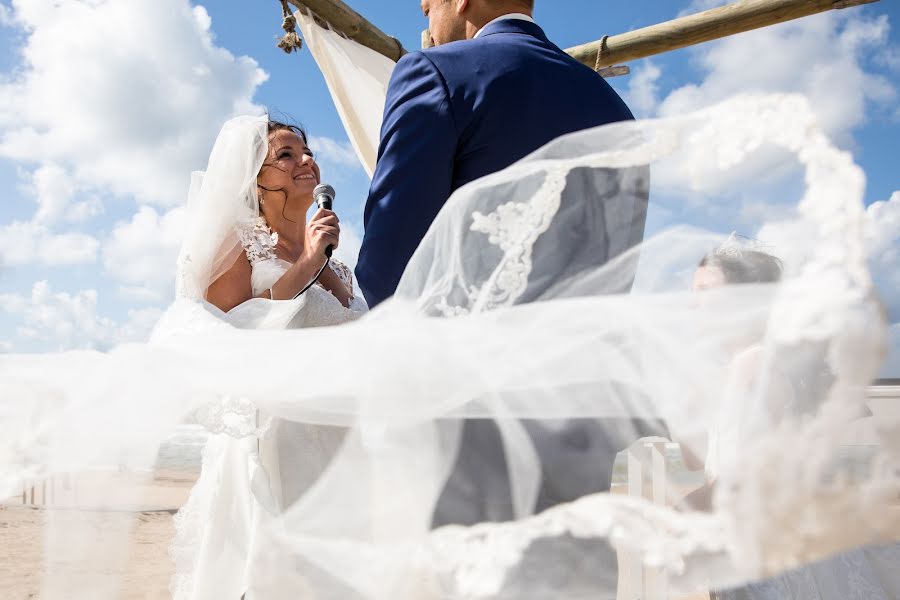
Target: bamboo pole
point(354, 26)
point(705, 26)
point(738, 17)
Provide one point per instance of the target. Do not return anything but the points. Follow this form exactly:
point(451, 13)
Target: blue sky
point(106, 107)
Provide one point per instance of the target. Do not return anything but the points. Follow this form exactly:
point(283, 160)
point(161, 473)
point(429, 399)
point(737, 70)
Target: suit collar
point(519, 16)
point(514, 26)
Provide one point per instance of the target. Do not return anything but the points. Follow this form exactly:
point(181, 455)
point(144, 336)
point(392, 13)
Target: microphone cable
point(314, 279)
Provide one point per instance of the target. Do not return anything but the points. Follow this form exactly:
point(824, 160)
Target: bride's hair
point(280, 125)
point(745, 266)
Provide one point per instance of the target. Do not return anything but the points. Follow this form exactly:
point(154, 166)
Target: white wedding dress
point(255, 466)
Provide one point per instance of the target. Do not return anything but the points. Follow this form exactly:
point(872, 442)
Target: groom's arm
point(413, 176)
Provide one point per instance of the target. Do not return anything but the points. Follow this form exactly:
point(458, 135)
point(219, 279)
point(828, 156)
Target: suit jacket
point(461, 111)
point(464, 110)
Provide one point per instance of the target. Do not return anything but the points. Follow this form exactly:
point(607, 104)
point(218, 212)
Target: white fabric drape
point(357, 78)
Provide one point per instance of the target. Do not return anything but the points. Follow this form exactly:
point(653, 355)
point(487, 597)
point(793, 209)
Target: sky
point(106, 106)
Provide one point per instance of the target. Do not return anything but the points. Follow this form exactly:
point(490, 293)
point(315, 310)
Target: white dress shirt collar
point(520, 16)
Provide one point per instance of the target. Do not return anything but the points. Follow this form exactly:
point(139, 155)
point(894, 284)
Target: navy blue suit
point(456, 113)
point(461, 111)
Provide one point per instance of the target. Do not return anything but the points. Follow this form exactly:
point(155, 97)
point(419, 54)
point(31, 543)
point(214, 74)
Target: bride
point(250, 475)
point(280, 248)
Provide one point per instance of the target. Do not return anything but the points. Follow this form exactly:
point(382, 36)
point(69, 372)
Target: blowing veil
point(500, 317)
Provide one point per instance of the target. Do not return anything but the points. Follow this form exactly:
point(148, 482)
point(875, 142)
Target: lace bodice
point(258, 240)
point(259, 243)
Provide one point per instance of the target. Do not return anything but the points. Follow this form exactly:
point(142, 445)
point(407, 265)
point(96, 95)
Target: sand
point(131, 556)
point(131, 515)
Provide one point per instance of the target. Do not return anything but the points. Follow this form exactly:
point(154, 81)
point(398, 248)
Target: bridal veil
point(533, 297)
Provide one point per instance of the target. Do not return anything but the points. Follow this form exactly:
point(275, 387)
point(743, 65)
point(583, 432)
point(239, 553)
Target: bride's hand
point(322, 231)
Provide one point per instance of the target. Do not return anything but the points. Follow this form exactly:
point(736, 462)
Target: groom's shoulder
point(419, 60)
point(453, 60)
point(441, 61)
point(465, 50)
point(451, 53)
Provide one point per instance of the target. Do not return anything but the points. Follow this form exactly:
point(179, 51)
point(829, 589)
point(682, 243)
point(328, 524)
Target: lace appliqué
point(475, 561)
point(447, 310)
point(514, 227)
point(235, 417)
point(258, 240)
point(343, 273)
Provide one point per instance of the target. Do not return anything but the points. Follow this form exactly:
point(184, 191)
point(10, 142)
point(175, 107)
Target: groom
point(493, 90)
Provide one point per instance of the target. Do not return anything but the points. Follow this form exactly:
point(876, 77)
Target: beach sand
point(131, 514)
point(131, 557)
point(143, 575)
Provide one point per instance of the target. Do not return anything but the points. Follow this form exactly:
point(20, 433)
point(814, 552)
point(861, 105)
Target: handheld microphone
point(324, 194)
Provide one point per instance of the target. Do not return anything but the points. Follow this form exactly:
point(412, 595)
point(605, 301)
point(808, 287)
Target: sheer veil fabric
point(510, 311)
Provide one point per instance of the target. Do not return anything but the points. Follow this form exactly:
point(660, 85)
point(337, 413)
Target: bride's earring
point(262, 200)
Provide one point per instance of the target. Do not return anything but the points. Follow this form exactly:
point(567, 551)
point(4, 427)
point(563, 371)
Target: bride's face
point(287, 178)
point(707, 278)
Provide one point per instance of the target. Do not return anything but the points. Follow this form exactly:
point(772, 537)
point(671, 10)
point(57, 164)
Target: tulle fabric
point(221, 199)
point(527, 305)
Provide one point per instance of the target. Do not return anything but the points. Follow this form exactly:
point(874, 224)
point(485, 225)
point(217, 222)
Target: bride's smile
point(288, 177)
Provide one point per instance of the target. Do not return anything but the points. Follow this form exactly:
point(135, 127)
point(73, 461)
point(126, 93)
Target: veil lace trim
point(513, 227)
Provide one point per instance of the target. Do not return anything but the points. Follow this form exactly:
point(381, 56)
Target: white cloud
point(67, 321)
point(24, 243)
point(12, 303)
point(804, 60)
point(141, 253)
point(889, 58)
point(54, 190)
point(643, 89)
point(138, 326)
point(351, 242)
point(141, 294)
point(701, 5)
point(883, 245)
point(330, 150)
point(5, 15)
point(125, 95)
point(809, 56)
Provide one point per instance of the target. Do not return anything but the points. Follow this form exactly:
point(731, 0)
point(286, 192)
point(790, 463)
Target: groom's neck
point(485, 13)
